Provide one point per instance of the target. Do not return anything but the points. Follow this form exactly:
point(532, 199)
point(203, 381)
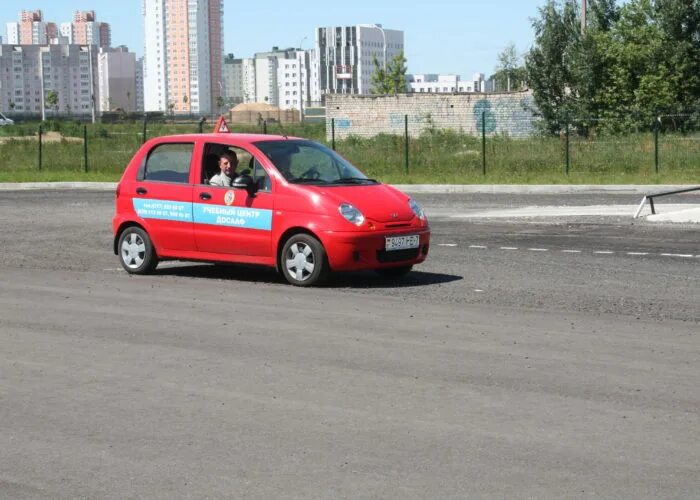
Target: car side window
point(169, 163)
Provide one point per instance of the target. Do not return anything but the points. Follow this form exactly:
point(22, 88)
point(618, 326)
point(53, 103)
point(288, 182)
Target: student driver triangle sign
point(221, 126)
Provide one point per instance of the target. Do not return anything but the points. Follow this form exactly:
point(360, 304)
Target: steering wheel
point(311, 173)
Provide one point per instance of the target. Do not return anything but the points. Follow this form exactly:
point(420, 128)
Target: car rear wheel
point(136, 252)
point(394, 272)
point(303, 261)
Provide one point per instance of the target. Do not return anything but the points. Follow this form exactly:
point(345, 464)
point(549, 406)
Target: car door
point(162, 195)
point(230, 221)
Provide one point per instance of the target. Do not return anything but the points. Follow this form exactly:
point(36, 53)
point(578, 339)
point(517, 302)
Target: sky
point(444, 36)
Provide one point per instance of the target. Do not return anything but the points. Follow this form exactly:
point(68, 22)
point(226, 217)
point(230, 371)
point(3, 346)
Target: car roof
point(229, 137)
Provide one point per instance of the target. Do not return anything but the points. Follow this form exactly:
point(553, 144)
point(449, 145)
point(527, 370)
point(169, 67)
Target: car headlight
point(351, 214)
point(417, 209)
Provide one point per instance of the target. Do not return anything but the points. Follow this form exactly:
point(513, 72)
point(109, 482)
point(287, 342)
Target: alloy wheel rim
point(133, 251)
point(300, 261)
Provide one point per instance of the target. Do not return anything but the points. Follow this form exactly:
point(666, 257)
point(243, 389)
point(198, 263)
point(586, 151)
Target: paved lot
point(547, 357)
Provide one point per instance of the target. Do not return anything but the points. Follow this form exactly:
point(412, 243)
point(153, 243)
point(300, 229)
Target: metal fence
point(667, 149)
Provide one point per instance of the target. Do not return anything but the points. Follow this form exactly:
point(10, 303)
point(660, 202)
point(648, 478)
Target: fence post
point(483, 142)
point(40, 132)
point(333, 134)
point(567, 154)
point(406, 141)
point(657, 126)
point(145, 122)
point(85, 148)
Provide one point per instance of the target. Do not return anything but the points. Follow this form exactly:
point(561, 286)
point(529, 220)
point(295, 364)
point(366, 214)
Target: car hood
point(378, 202)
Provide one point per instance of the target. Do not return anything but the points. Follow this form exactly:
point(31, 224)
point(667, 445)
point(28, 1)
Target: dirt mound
point(46, 137)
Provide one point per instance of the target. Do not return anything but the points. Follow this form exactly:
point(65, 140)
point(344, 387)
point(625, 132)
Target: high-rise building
point(345, 56)
point(86, 30)
point(30, 30)
point(183, 55)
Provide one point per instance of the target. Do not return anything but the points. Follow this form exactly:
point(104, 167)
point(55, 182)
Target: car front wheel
point(136, 252)
point(303, 261)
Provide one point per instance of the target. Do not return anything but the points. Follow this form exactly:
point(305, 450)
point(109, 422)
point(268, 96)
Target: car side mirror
point(245, 182)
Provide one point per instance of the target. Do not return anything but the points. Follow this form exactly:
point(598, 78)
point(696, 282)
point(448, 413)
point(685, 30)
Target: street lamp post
point(301, 61)
point(379, 27)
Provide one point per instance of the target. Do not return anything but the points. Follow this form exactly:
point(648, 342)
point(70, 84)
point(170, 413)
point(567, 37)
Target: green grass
point(437, 157)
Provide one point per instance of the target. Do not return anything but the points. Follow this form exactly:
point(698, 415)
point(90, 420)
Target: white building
point(65, 30)
point(12, 32)
point(117, 79)
point(437, 84)
point(29, 72)
point(346, 56)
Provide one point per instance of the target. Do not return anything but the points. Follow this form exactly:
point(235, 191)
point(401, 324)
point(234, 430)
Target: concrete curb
point(409, 188)
point(26, 186)
point(539, 189)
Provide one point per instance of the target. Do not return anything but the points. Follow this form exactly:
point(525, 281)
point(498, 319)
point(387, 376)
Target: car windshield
point(307, 162)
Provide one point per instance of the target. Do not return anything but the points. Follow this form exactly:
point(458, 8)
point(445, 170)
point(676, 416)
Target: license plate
point(401, 242)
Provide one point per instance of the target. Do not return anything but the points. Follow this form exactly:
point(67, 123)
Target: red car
point(294, 204)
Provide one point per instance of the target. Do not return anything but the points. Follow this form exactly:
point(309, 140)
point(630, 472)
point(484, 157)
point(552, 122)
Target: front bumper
point(352, 251)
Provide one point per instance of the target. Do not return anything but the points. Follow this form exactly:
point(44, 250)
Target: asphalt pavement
point(549, 354)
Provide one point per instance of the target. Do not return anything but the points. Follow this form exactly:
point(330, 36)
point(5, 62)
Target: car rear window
point(169, 163)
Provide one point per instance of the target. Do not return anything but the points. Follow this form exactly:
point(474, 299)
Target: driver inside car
point(228, 163)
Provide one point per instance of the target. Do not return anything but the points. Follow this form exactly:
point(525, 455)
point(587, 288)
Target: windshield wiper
point(353, 180)
point(303, 180)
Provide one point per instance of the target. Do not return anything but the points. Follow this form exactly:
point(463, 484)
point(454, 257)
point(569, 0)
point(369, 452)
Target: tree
point(379, 81)
point(632, 63)
point(510, 74)
point(508, 63)
point(52, 100)
point(549, 62)
point(391, 80)
point(220, 102)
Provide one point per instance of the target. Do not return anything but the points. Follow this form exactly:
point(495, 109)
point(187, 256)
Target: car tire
point(303, 260)
point(136, 252)
point(394, 272)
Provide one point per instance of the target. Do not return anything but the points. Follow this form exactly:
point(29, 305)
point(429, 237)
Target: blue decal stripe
point(163, 209)
point(202, 213)
point(219, 215)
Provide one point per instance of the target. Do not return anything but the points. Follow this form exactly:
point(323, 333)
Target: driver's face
point(226, 166)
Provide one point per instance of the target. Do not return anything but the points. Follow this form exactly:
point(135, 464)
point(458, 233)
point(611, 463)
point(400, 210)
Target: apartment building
point(85, 30)
point(29, 72)
point(117, 79)
point(346, 56)
point(238, 76)
point(183, 55)
point(31, 29)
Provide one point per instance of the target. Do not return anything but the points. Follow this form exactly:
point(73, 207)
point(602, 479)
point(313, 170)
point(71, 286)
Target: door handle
point(141, 190)
point(204, 196)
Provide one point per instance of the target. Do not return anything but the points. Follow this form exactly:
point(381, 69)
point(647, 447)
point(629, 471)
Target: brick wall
point(366, 116)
